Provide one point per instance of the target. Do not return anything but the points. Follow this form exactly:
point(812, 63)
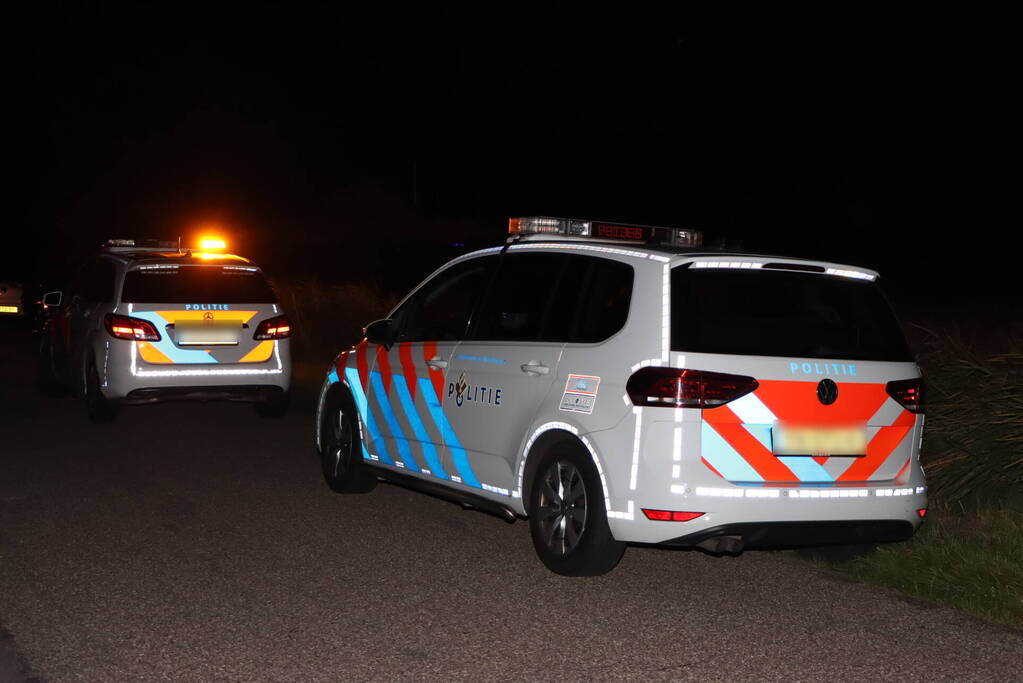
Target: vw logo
point(827, 391)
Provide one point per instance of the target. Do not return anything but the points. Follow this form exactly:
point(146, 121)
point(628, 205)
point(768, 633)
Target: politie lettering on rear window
point(815, 368)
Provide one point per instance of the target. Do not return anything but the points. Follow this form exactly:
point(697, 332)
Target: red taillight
point(922, 512)
point(273, 328)
point(679, 388)
point(670, 515)
point(909, 393)
point(124, 327)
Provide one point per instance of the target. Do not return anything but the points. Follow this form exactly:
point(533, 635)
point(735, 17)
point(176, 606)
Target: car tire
point(98, 407)
point(275, 406)
point(567, 517)
point(341, 446)
point(47, 378)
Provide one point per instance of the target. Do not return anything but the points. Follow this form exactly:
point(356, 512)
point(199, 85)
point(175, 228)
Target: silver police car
point(146, 321)
point(618, 383)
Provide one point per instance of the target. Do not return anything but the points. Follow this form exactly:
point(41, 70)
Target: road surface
point(198, 542)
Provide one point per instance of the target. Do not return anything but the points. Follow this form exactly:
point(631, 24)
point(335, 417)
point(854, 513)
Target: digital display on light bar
point(604, 230)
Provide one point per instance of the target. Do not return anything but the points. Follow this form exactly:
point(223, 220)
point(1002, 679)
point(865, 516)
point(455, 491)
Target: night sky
point(322, 138)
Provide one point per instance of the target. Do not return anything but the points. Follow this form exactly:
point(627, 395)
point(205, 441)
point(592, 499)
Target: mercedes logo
point(827, 391)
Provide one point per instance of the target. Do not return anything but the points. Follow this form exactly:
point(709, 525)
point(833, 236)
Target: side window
point(518, 305)
point(98, 285)
point(440, 310)
point(605, 303)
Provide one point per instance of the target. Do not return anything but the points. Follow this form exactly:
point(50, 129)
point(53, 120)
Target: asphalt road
point(198, 542)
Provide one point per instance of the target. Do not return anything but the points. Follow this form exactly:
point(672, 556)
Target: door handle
point(535, 368)
point(437, 363)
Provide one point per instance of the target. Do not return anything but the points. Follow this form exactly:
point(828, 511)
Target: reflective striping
point(408, 405)
point(458, 455)
point(400, 442)
point(332, 376)
point(436, 375)
point(636, 444)
point(362, 363)
point(151, 354)
point(408, 367)
point(665, 313)
point(260, 354)
point(629, 513)
point(880, 448)
point(167, 348)
point(724, 459)
point(751, 410)
point(383, 367)
point(806, 469)
point(362, 405)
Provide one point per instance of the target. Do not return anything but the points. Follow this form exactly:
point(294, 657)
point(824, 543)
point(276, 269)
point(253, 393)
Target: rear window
point(196, 284)
point(770, 313)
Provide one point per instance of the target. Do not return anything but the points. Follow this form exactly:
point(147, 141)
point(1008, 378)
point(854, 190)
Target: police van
point(619, 384)
point(146, 321)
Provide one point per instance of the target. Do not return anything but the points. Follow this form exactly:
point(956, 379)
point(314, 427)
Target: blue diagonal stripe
point(167, 347)
point(392, 421)
point(725, 459)
point(418, 428)
point(367, 417)
point(458, 455)
point(806, 469)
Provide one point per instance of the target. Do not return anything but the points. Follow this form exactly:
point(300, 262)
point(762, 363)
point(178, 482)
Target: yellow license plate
point(820, 441)
point(8, 309)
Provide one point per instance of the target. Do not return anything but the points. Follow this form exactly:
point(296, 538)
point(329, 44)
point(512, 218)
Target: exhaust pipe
point(722, 545)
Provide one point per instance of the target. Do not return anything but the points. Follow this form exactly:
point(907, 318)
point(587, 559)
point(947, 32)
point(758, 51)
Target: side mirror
point(52, 299)
point(380, 332)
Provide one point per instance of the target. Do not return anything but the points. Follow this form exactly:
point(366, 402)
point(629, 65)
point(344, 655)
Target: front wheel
point(341, 447)
point(567, 517)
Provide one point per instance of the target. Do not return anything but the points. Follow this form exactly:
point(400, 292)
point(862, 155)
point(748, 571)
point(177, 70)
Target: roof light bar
point(574, 227)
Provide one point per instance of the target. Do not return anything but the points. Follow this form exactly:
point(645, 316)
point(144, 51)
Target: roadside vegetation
point(969, 552)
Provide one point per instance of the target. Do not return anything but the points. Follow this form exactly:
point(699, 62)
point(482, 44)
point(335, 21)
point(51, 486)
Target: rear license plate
point(820, 441)
point(208, 333)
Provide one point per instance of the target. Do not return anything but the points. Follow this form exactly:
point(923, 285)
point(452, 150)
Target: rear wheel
point(47, 377)
point(567, 517)
point(98, 407)
point(341, 446)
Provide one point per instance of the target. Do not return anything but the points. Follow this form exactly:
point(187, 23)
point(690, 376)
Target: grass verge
point(969, 560)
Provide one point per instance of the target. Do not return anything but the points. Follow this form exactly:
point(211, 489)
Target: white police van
point(147, 321)
point(616, 383)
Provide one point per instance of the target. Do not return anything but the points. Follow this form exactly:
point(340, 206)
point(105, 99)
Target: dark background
point(344, 143)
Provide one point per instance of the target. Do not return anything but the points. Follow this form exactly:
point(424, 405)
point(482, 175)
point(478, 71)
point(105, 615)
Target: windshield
point(196, 284)
point(777, 313)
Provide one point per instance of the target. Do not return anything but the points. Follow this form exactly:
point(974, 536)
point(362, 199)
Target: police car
point(146, 321)
point(618, 384)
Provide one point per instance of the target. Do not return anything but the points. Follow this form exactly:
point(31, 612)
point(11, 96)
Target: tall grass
point(328, 318)
point(973, 438)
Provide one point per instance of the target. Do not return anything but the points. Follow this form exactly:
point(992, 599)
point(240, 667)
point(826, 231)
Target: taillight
point(124, 327)
point(670, 515)
point(679, 388)
point(273, 328)
point(909, 393)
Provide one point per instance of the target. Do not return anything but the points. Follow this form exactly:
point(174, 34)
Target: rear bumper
point(794, 534)
point(248, 394)
point(124, 376)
